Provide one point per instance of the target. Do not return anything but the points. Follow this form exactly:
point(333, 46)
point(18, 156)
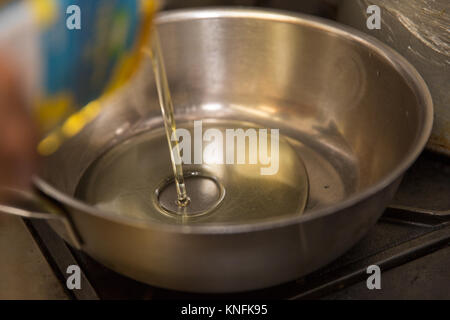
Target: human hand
point(17, 131)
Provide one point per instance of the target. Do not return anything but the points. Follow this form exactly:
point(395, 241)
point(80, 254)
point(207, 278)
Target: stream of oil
point(166, 104)
point(139, 178)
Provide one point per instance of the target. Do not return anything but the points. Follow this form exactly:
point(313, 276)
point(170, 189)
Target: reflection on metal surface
point(419, 30)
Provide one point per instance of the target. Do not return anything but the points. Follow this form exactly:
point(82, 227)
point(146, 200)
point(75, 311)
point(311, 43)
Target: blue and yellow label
point(87, 61)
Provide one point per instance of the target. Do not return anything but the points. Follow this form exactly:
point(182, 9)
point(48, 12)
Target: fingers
point(17, 132)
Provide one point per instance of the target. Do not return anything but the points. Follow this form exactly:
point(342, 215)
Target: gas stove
point(410, 244)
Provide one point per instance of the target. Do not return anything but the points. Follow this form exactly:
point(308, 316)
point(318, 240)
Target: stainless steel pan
point(361, 115)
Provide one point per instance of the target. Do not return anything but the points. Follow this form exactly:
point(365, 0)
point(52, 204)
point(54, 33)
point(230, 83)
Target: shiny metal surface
point(124, 182)
point(355, 110)
point(28, 205)
point(419, 30)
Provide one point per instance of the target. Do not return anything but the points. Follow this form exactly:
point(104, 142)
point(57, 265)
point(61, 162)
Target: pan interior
point(133, 179)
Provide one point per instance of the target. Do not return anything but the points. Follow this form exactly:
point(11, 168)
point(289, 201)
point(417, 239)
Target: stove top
point(410, 244)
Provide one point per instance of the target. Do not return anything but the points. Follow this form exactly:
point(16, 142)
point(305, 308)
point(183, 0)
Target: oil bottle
point(70, 54)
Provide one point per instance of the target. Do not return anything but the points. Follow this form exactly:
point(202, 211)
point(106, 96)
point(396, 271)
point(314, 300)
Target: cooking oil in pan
point(135, 179)
point(227, 182)
point(166, 104)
